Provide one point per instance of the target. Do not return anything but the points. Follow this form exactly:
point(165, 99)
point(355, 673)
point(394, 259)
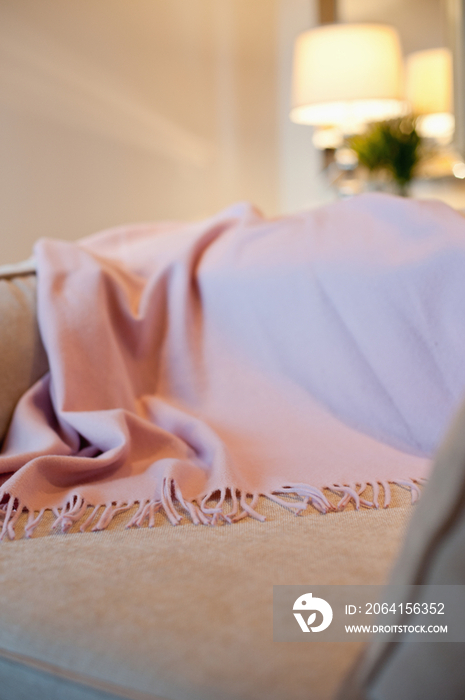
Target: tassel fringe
point(208, 509)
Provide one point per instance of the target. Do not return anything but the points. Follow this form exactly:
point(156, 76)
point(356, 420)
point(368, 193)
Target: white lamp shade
point(347, 74)
point(429, 91)
point(429, 81)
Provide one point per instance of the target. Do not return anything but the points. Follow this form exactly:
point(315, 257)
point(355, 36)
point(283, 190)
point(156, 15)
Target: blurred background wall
point(421, 23)
point(114, 111)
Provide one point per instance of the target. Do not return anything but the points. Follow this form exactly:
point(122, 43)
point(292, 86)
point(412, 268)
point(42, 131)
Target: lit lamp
point(347, 75)
point(429, 92)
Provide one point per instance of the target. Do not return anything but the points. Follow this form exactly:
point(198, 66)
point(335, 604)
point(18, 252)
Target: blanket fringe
point(410, 484)
point(229, 505)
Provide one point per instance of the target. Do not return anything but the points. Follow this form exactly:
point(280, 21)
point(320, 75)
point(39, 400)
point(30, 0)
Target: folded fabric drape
point(194, 367)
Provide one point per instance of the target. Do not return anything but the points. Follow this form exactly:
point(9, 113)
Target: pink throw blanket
point(195, 367)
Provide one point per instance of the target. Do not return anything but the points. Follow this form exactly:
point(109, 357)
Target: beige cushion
point(185, 612)
point(433, 553)
point(22, 356)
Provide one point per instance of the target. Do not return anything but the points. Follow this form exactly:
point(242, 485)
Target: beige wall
point(117, 110)
point(126, 110)
point(302, 182)
point(421, 23)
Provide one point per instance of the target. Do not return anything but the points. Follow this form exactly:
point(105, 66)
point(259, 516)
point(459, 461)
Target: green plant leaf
point(392, 145)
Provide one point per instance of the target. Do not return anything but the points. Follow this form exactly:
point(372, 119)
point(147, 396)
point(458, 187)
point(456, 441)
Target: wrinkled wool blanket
point(195, 367)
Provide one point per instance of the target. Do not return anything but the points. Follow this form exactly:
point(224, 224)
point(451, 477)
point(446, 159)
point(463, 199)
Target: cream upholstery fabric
point(22, 355)
point(185, 612)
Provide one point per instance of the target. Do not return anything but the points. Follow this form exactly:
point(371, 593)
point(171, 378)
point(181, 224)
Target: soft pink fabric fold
point(241, 356)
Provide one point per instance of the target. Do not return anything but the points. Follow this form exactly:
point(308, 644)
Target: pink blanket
point(196, 367)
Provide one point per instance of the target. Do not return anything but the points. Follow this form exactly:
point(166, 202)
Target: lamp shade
point(429, 90)
point(347, 74)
